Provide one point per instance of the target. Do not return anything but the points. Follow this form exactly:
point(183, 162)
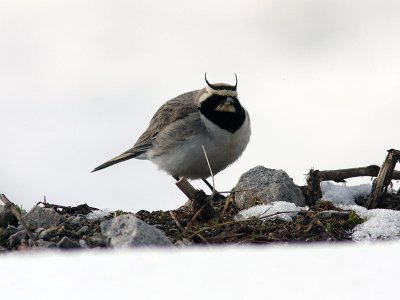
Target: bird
point(212, 117)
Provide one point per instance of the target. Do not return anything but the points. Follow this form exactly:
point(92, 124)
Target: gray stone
point(43, 217)
point(76, 220)
point(67, 243)
point(129, 231)
point(46, 244)
point(83, 230)
point(52, 234)
point(39, 230)
point(183, 243)
point(262, 186)
point(96, 239)
point(16, 239)
point(10, 230)
point(7, 217)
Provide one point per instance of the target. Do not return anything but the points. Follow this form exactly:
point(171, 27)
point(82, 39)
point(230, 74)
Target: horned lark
point(211, 117)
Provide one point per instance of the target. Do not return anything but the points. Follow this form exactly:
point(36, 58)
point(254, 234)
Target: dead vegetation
point(323, 223)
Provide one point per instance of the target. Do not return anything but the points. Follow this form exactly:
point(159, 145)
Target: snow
point(270, 209)
point(98, 214)
point(379, 224)
point(334, 271)
point(342, 194)
point(356, 271)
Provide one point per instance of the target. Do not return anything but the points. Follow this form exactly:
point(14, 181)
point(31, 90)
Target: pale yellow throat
point(226, 107)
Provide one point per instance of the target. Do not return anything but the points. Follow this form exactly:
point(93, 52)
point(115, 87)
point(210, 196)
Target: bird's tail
point(124, 156)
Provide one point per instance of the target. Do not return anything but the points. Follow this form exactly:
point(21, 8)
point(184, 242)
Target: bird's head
point(219, 103)
point(218, 96)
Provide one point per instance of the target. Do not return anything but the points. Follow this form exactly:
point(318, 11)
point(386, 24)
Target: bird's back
point(170, 112)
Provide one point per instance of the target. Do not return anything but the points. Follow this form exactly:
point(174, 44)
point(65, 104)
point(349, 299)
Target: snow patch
point(98, 214)
point(342, 194)
point(380, 224)
point(269, 209)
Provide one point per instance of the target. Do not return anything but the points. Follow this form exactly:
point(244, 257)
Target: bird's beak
point(227, 106)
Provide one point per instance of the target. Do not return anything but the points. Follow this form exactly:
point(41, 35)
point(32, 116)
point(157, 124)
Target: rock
point(183, 243)
point(129, 231)
point(43, 217)
point(83, 230)
point(76, 220)
point(67, 243)
point(53, 234)
point(263, 186)
point(96, 240)
point(16, 238)
point(46, 244)
point(39, 230)
point(10, 230)
point(7, 217)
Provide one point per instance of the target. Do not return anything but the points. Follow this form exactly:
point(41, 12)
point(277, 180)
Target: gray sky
point(80, 81)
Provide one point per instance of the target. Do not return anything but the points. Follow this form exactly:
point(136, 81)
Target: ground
point(81, 225)
point(306, 226)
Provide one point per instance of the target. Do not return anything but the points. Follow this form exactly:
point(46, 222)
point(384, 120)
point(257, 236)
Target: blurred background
point(80, 80)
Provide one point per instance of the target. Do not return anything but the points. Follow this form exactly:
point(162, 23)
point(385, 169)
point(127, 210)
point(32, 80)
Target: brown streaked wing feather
point(171, 111)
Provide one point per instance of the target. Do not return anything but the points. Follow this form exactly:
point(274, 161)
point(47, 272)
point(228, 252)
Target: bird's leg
point(214, 193)
point(209, 185)
point(205, 181)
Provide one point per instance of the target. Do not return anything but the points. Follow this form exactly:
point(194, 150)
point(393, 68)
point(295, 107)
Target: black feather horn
point(222, 86)
point(209, 84)
point(235, 82)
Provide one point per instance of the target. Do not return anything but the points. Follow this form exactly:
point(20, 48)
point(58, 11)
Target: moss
point(19, 208)
point(118, 213)
point(354, 219)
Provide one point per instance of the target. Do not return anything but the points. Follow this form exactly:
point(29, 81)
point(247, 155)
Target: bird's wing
point(170, 112)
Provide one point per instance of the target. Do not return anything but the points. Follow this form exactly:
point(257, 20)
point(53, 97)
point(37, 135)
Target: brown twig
point(17, 214)
point(195, 216)
point(313, 189)
point(226, 205)
point(176, 221)
point(319, 223)
point(241, 221)
point(203, 238)
point(227, 236)
point(381, 182)
point(198, 198)
point(186, 188)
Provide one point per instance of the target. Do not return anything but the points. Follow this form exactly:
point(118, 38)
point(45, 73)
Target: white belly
point(222, 147)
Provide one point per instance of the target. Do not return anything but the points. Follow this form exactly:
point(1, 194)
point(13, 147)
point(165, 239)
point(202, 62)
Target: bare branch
point(13, 207)
point(380, 185)
point(176, 221)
